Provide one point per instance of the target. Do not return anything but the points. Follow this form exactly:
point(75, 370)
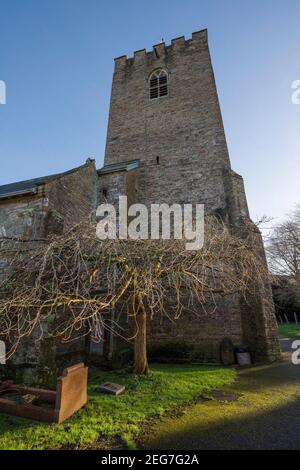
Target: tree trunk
point(140, 342)
point(297, 277)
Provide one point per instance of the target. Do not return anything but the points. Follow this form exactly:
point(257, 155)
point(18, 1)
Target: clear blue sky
point(56, 57)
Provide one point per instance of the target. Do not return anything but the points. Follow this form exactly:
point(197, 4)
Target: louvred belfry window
point(158, 84)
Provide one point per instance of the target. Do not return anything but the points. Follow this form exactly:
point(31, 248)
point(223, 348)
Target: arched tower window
point(158, 84)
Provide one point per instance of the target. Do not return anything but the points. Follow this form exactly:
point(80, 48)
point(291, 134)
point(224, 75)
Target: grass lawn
point(166, 387)
point(289, 330)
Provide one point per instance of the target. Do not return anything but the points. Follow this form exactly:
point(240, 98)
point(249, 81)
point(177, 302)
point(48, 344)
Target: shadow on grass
point(266, 415)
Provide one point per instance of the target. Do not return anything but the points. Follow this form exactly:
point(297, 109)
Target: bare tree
point(66, 285)
point(283, 247)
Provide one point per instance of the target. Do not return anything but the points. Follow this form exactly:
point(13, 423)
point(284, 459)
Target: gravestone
point(110, 388)
point(227, 352)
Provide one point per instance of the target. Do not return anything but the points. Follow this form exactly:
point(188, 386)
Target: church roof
point(122, 166)
point(21, 188)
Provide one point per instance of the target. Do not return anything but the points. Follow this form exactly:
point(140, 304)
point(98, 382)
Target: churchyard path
point(260, 410)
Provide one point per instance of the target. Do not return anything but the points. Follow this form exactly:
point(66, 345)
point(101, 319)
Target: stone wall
point(59, 204)
point(73, 195)
point(183, 129)
point(112, 185)
point(64, 201)
point(257, 307)
point(196, 336)
point(180, 142)
point(23, 217)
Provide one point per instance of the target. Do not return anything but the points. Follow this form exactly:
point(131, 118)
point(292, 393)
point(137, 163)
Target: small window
point(104, 193)
point(157, 160)
point(158, 84)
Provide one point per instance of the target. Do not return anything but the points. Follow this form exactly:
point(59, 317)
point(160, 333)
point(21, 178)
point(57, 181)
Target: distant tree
point(283, 253)
point(283, 247)
point(286, 297)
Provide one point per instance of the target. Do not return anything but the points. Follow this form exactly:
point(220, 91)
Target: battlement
point(159, 51)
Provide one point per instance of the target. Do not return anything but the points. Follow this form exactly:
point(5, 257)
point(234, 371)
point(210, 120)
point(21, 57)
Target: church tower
point(166, 144)
point(165, 114)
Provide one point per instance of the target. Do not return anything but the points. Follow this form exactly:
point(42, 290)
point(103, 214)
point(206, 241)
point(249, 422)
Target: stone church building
point(165, 144)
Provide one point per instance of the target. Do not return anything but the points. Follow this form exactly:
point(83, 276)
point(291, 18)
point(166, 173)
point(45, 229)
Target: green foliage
point(290, 330)
point(166, 387)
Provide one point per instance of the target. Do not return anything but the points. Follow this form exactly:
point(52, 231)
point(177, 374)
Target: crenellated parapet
point(161, 50)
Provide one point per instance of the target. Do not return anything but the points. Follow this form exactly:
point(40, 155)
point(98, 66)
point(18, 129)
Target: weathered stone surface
point(109, 388)
point(180, 142)
point(58, 204)
point(227, 352)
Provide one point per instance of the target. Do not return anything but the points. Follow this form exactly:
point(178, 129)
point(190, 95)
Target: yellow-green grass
point(289, 330)
point(165, 388)
point(263, 415)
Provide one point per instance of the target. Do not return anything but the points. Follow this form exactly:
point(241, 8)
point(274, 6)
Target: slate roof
point(21, 188)
point(122, 166)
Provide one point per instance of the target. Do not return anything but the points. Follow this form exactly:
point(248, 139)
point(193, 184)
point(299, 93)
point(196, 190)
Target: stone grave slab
point(109, 388)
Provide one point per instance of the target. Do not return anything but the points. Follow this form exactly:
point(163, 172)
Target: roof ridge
point(18, 187)
point(46, 177)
